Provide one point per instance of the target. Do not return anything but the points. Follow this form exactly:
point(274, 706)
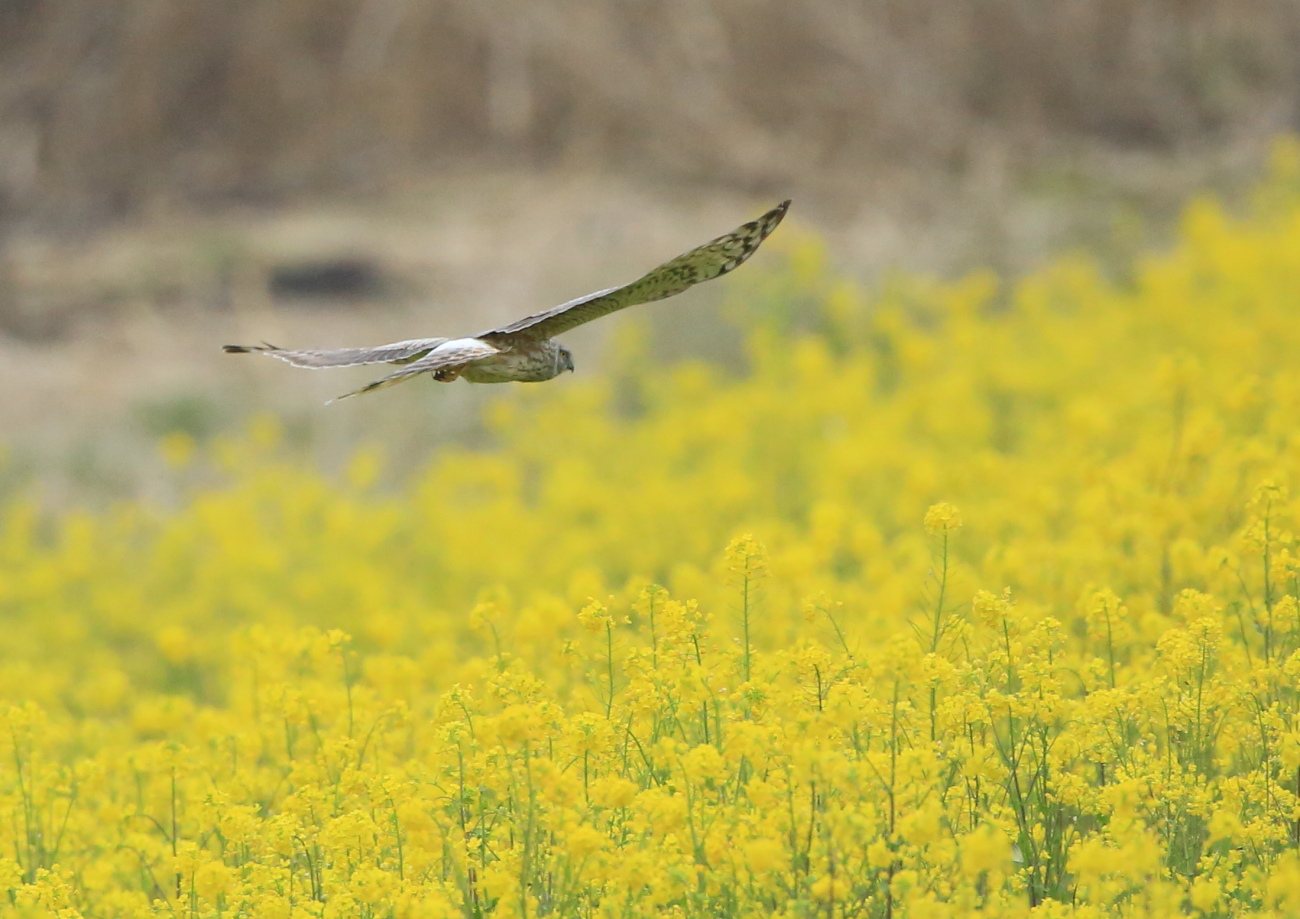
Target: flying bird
point(525, 351)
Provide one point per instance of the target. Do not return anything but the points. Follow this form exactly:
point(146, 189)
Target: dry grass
point(108, 105)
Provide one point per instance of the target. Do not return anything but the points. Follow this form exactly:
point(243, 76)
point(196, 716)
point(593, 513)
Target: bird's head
point(565, 359)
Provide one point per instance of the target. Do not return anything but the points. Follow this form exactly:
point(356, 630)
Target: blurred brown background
point(174, 173)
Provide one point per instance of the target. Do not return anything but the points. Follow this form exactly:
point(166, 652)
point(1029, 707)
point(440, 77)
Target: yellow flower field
point(963, 600)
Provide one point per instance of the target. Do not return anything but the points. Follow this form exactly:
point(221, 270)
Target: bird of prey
point(526, 351)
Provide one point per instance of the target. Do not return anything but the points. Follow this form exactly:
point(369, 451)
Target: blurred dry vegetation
point(107, 104)
point(174, 158)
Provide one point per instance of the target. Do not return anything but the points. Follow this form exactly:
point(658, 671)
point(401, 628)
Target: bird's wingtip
point(768, 222)
point(349, 395)
point(249, 349)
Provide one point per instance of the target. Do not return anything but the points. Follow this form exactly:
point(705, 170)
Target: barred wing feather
point(704, 263)
point(400, 352)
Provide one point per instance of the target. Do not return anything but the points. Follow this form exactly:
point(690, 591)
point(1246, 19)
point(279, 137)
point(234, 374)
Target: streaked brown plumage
point(525, 351)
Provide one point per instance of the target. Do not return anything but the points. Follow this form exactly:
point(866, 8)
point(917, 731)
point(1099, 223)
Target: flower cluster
point(727, 647)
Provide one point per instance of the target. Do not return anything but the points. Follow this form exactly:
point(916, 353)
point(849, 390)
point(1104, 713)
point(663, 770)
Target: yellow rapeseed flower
point(941, 519)
point(293, 693)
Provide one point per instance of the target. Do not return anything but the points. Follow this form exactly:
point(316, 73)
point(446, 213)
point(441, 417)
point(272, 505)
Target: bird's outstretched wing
point(704, 263)
point(448, 357)
point(400, 352)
